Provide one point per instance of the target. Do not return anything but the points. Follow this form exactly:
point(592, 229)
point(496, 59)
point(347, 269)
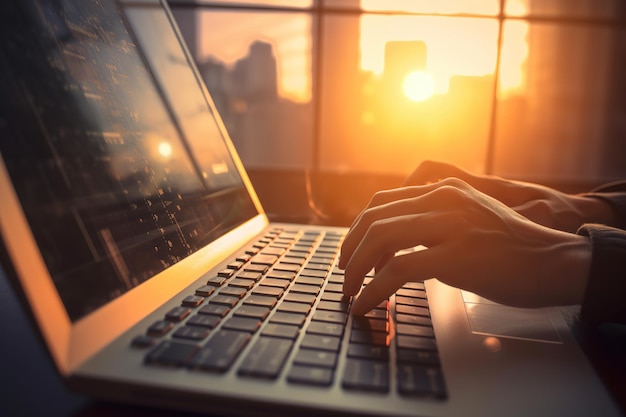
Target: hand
point(473, 242)
point(540, 204)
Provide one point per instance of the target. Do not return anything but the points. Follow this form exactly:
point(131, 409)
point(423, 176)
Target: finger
point(390, 236)
point(410, 200)
point(387, 196)
point(415, 266)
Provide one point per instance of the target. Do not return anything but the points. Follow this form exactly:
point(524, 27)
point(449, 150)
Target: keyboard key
point(209, 322)
point(242, 283)
point(235, 265)
point(250, 275)
point(305, 289)
point(273, 282)
point(423, 357)
point(291, 258)
point(318, 272)
point(224, 300)
point(380, 353)
point(191, 333)
point(415, 320)
point(235, 292)
point(330, 316)
point(334, 288)
point(366, 375)
point(261, 301)
point(300, 298)
point(193, 300)
point(143, 341)
point(281, 266)
point(414, 285)
point(255, 269)
point(334, 296)
point(327, 329)
point(205, 290)
point(333, 306)
point(369, 338)
point(288, 318)
point(316, 358)
point(281, 330)
point(411, 330)
point(214, 310)
point(273, 251)
point(417, 343)
point(264, 259)
point(259, 313)
point(170, 353)
point(266, 357)
point(225, 273)
point(289, 307)
point(415, 380)
point(320, 342)
point(415, 302)
point(411, 310)
point(323, 260)
point(221, 351)
point(244, 257)
point(288, 276)
point(217, 281)
point(268, 291)
point(404, 292)
point(160, 328)
point(242, 323)
point(336, 278)
point(309, 280)
point(177, 314)
point(310, 375)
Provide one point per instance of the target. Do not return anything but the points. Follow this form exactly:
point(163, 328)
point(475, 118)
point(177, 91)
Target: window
point(531, 89)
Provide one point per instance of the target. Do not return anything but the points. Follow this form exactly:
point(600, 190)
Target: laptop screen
point(118, 162)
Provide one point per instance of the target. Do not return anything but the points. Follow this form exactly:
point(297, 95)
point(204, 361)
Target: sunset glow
point(419, 86)
point(456, 46)
point(463, 46)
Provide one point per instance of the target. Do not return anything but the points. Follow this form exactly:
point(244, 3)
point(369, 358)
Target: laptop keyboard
point(287, 290)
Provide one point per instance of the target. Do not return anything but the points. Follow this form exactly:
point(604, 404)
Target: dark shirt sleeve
point(605, 296)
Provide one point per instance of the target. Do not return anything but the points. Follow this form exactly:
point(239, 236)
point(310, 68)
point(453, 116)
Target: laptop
point(154, 277)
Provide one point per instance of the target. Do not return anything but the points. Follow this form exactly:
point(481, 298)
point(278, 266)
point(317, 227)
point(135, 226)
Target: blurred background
point(328, 101)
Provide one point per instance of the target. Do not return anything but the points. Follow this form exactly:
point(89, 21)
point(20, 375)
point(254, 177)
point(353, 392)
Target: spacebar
point(219, 353)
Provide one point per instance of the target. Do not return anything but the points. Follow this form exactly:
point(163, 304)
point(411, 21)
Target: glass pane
point(488, 7)
point(562, 117)
point(285, 3)
point(257, 67)
point(400, 89)
point(590, 9)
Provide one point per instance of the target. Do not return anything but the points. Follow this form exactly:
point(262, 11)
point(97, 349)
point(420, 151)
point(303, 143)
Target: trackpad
point(489, 318)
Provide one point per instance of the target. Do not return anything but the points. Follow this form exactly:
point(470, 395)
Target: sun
point(165, 149)
point(419, 86)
